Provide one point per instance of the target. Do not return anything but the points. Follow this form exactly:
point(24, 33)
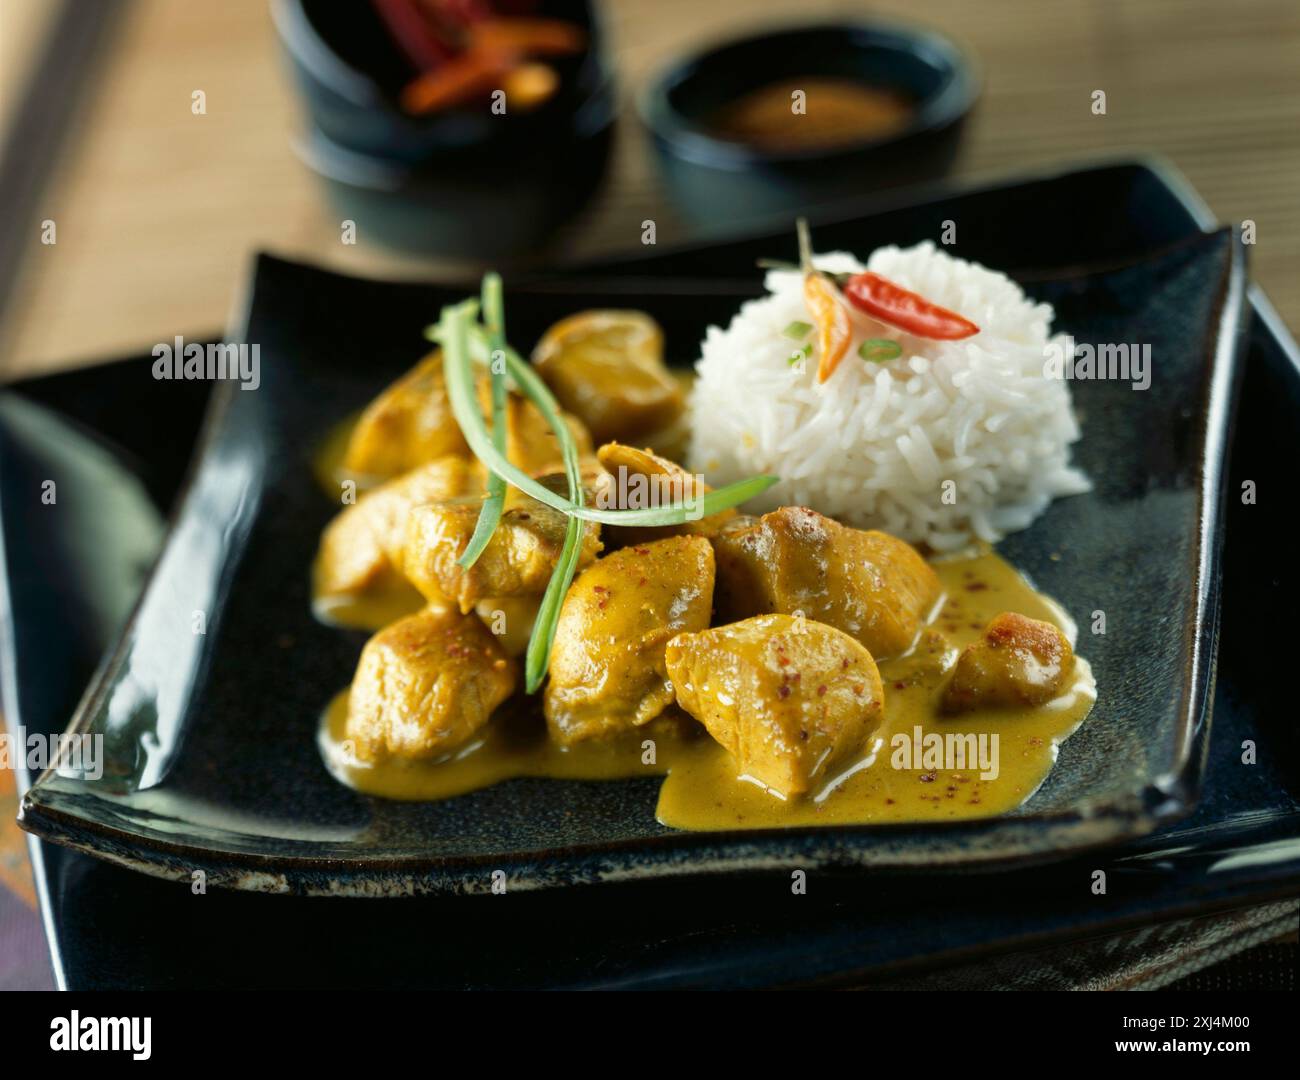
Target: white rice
point(876, 444)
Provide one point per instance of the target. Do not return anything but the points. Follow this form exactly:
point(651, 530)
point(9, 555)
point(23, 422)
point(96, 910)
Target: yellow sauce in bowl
point(813, 113)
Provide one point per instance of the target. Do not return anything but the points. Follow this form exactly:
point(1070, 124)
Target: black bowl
point(351, 75)
point(717, 179)
point(484, 204)
point(462, 181)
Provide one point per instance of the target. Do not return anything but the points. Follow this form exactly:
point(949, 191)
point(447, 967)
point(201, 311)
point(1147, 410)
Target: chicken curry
point(782, 669)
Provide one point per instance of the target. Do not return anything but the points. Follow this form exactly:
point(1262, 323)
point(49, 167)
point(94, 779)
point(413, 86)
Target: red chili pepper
point(406, 24)
point(905, 310)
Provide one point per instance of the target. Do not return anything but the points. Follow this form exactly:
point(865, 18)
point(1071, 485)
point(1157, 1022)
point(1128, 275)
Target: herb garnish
point(465, 343)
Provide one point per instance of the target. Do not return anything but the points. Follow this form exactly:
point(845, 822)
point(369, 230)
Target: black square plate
point(210, 738)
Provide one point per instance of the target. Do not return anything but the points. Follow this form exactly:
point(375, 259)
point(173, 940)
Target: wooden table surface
point(158, 210)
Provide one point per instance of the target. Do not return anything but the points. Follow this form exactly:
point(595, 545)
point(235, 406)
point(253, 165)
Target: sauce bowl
point(716, 179)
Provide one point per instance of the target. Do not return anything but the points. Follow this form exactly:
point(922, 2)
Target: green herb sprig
point(530, 384)
point(494, 503)
point(465, 343)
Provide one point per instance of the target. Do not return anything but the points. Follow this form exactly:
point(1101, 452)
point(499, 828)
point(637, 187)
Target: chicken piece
point(607, 664)
point(411, 422)
point(365, 539)
point(791, 699)
point(518, 559)
point(607, 367)
point(871, 585)
point(1017, 661)
point(590, 471)
point(510, 619)
point(928, 662)
point(530, 443)
point(408, 424)
point(640, 479)
point(674, 441)
point(425, 685)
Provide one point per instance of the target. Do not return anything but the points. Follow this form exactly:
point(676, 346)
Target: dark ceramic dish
point(69, 581)
point(459, 182)
point(716, 179)
point(482, 205)
point(210, 738)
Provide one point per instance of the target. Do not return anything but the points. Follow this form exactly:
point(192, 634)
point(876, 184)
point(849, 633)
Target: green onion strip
point(490, 515)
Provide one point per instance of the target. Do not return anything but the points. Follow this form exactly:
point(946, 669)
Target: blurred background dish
point(798, 117)
point(488, 201)
point(359, 86)
point(404, 131)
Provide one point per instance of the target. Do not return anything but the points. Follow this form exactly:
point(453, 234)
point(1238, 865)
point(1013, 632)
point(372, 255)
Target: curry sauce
point(836, 112)
point(389, 598)
point(903, 774)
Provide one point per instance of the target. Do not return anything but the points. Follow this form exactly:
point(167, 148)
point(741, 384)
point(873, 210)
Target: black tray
point(114, 928)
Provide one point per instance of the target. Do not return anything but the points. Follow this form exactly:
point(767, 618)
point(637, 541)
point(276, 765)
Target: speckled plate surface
point(212, 762)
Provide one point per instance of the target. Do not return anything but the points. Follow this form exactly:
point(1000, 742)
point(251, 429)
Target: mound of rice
point(876, 443)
